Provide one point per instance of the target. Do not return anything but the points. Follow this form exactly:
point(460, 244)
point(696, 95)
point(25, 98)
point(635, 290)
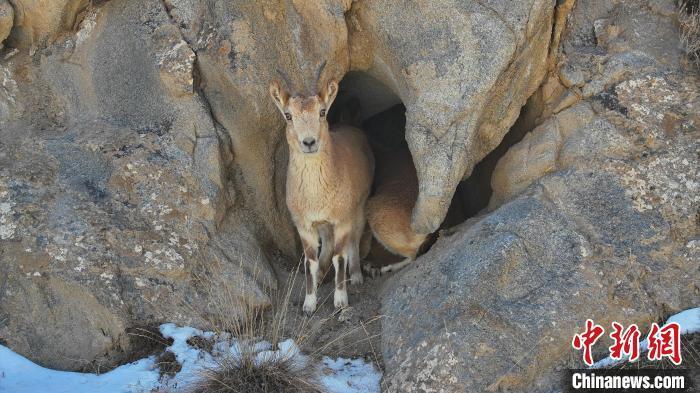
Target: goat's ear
point(279, 95)
point(329, 92)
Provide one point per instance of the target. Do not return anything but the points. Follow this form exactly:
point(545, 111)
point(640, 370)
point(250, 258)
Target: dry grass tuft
point(689, 20)
point(235, 317)
point(280, 374)
point(232, 316)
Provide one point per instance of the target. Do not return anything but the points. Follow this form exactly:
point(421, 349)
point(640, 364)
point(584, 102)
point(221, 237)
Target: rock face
point(460, 98)
point(241, 47)
point(7, 15)
point(142, 169)
point(593, 215)
point(462, 70)
point(497, 303)
point(574, 135)
point(37, 22)
point(140, 145)
point(114, 202)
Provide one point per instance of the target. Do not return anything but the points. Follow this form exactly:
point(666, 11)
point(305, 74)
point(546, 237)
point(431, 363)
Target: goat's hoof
point(310, 304)
point(340, 299)
point(356, 278)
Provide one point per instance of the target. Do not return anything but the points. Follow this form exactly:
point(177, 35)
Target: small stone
point(346, 314)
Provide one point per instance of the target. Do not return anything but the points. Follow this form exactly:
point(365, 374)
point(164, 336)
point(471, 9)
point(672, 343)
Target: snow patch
point(7, 227)
point(689, 320)
point(349, 376)
point(20, 375)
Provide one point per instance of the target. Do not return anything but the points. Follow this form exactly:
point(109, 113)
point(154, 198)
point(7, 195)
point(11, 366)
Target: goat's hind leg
point(354, 259)
point(396, 266)
point(354, 264)
point(327, 238)
point(377, 271)
point(410, 255)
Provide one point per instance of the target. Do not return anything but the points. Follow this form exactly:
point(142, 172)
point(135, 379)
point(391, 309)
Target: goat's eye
point(323, 113)
point(288, 116)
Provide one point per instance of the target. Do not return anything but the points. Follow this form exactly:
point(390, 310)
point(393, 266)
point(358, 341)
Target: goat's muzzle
point(309, 145)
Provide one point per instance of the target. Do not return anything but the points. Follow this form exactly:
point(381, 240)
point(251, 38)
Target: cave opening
point(365, 102)
point(473, 194)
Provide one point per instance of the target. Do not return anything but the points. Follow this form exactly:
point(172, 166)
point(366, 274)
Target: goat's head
point(307, 126)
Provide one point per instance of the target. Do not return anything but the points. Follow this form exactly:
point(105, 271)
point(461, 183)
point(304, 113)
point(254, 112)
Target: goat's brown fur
point(389, 209)
point(328, 183)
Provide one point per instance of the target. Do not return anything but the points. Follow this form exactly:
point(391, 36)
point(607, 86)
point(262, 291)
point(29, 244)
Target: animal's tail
point(327, 237)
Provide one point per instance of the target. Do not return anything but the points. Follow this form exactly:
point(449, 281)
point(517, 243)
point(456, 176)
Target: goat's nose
point(309, 142)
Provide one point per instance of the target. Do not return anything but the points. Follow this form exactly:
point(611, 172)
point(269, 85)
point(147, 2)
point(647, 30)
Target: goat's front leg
point(340, 258)
point(340, 296)
point(310, 244)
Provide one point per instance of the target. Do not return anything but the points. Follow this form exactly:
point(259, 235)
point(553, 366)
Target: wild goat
point(389, 209)
point(328, 181)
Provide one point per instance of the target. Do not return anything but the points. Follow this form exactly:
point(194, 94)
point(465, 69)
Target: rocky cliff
point(142, 163)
